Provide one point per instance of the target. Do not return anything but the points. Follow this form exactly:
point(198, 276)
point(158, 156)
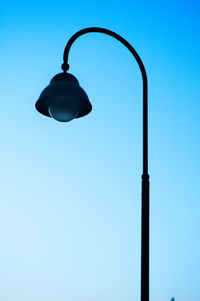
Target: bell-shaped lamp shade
point(63, 99)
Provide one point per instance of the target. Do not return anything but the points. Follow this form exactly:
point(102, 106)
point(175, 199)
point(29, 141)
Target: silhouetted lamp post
point(65, 100)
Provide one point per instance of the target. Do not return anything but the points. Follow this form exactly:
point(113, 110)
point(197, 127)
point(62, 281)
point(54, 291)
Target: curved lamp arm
point(65, 67)
point(145, 176)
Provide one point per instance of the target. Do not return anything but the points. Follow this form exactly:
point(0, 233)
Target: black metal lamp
point(65, 100)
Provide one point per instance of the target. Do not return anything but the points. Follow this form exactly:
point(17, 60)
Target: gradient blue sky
point(70, 193)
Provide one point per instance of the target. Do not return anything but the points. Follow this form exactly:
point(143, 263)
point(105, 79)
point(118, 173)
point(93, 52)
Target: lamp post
point(65, 100)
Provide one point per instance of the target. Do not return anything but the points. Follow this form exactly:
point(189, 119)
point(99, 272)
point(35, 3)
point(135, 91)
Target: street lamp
point(65, 100)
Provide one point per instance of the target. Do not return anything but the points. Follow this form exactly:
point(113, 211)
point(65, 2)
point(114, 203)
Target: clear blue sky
point(70, 193)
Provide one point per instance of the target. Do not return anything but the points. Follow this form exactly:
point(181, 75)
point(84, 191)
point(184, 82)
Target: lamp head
point(63, 99)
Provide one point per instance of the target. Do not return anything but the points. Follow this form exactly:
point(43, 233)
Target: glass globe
point(63, 109)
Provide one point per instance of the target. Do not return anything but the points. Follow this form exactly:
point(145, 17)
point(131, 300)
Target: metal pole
point(145, 176)
point(145, 202)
